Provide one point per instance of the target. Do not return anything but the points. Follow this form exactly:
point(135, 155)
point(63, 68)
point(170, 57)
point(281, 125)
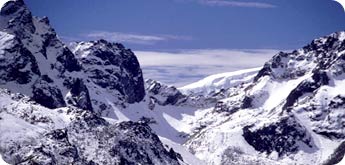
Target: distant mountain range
point(88, 103)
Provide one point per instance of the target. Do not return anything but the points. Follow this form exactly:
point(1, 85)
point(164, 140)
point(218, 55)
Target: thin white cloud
point(131, 38)
point(232, 3)
point(184, 67)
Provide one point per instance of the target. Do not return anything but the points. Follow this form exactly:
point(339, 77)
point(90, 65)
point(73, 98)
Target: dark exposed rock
point(147, 120)
point(174, 154)
point(141, 130)
point(266, 70)
point(47, 94)
point(163, 95)
point(221, 107)
point(112, 66)
point(337, 102)
point(92, 119)
point(330, 134)
point(11, 7)
point(17, 64)
point(21, 18)
point(247, 102)
point(69, 61)
point(79, 95)
point(59, 134)
point(274, 63)
point(284, 137)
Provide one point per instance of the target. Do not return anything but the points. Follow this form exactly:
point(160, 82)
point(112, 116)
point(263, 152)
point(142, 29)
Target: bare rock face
point(17, 64)
point(163, 95)
point(79, 95)
point(46, 93)
point(283, 137)
point(111, 66)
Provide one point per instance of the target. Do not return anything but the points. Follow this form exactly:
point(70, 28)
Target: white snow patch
point(6, 40)
point(120, 116)
point(2, 3)
point(177, 124)
point(2, 162)
point(220, 81)
point(342, 36)
point(273, 93)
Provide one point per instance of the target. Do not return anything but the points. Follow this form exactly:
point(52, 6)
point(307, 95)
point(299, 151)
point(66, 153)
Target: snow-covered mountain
point(52, 98)
point(220, 82)
point(88, 103)
point(291, 113)
point(32, 134)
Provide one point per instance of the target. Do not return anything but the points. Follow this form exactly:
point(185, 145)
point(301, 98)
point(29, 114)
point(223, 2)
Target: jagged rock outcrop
point(34, 57)
point(284, 137)
point(111, 66)
point(46, 93)
point(32, 49)
point(17, 63)
point(82, 138)
point(79, 95)
point(163, 95)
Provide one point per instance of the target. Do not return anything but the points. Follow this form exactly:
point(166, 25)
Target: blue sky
point(180, 25)
point(196, 24)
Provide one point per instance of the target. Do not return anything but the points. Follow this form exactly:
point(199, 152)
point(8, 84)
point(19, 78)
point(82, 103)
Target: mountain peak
point(111, 66)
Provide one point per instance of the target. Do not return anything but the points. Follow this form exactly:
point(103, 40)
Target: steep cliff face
point(111, 66)
point(111, 73)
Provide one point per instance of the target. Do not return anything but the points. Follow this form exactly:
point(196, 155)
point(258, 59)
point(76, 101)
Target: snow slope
point(215, 83)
